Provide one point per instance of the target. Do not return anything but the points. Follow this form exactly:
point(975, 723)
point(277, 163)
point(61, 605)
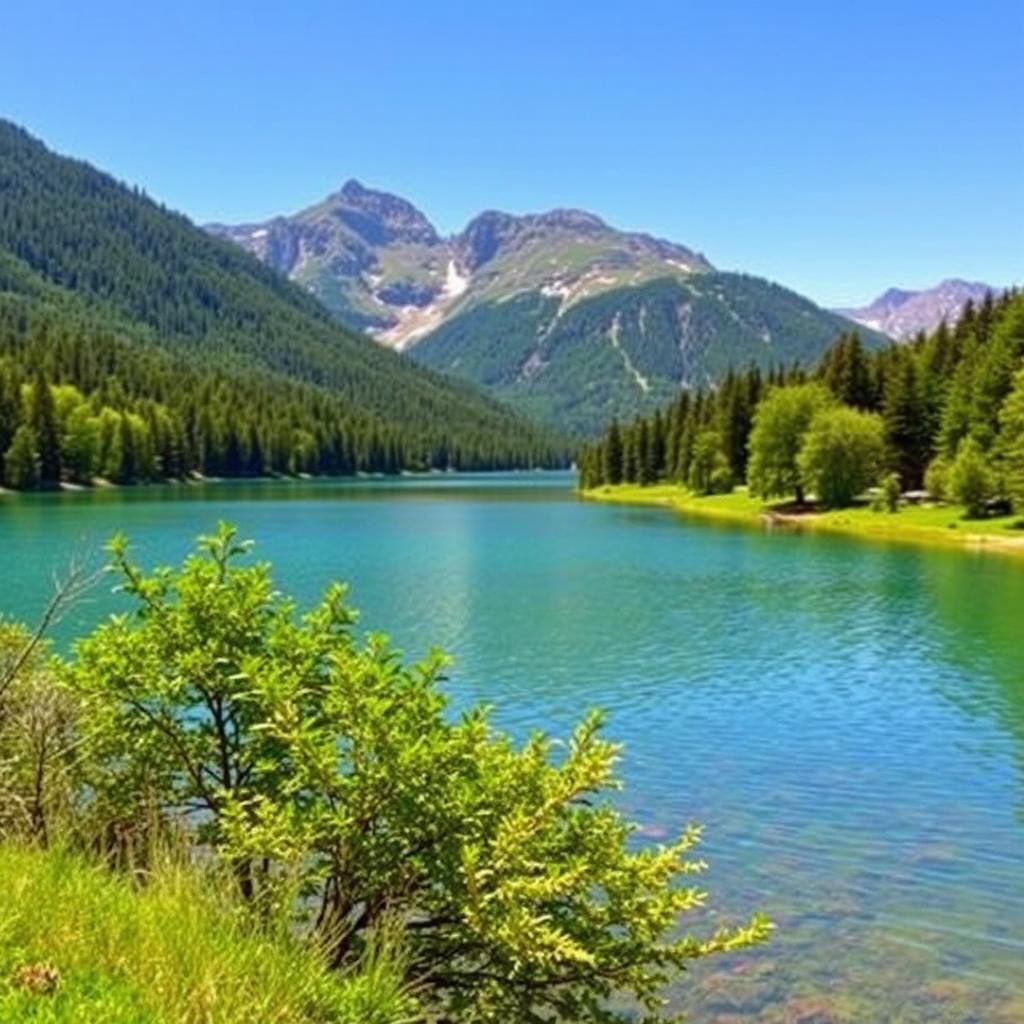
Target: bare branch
point(67, 590)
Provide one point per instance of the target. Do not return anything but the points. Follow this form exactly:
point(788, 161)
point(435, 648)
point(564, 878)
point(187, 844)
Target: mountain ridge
point(558, 312)
point(903, 313)
point(378, 263)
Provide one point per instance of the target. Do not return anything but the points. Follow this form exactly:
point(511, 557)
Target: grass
point(921, 524)
point(78, 944)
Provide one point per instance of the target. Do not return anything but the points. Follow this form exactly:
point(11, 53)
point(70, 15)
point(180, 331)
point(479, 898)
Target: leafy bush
point(891, 492)
point(328, 775)
point(970, 478)
point(936, 478)
point(780, 423)
point(1011, 418)
point(709, 469)
point(840, 454)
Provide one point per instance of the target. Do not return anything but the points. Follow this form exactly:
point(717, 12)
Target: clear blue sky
point(835, 147)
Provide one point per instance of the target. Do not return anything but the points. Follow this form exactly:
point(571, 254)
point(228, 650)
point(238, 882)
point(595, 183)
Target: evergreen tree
point(905, 415)
point(658, 445)
point(645, 472)
point(127, 467)
point(21, 462)
point(1011, 420)
point(42, 417)
point(613, 455)
point(630, 456)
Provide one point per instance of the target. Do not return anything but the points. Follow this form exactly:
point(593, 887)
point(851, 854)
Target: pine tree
point(613, 455)
point(43, 418)
point(128, 463)
point(21, 462)
point(905, 415)
point(658, 446)
point(645, 475)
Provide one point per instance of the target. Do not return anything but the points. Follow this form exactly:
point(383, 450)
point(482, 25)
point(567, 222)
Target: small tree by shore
point(329, 777)
point(840, 454)
point(970, 478)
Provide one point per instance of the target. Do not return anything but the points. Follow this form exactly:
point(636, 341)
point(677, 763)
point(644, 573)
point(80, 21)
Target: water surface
point(846, 719)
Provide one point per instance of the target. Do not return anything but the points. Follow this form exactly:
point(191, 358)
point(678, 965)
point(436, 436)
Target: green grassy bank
point(943, 525)
point(79, 943)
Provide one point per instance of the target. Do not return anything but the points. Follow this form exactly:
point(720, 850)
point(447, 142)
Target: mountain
point(378, 264)
point(903, 314)
point(246, 366)
point(558, 313)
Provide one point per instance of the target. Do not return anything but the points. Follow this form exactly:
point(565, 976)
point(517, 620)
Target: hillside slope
point(558, 313)
point(88, 256)
point(629, 350)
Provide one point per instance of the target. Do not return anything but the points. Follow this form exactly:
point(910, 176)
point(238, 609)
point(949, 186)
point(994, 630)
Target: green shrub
point(326, 768)
point(971, 482)
point(781, 420)
point(840, 454)
point(936, 478)
point(891, 492)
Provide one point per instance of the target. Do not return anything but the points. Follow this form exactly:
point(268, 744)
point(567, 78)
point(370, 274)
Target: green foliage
point(841, 454)
point(179, 950)
point(42, 416)
point(612, 455)
point(327, 768)
point(970, 478)
point(709, 469)
point(670, 445)
point(932, 393)
point(192, 357)
point(936, 478)
point(574, 366)
point(780, 424)
point(1011, 419)
point(891, 492)
point(21, 462)
point(905, 416)
point(846, 371)
point(38, 756)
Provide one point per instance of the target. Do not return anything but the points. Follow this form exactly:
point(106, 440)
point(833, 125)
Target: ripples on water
point(847, 720)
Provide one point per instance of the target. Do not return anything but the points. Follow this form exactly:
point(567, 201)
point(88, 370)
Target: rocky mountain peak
point(901, 314)
point(380, 218)
point(483, 236)
point(893, 297)
point(380, 265)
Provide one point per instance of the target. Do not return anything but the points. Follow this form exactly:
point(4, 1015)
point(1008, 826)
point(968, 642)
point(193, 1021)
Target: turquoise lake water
point(846, 719)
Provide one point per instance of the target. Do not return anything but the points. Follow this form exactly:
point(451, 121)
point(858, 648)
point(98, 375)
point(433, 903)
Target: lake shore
point(99, 484)
point(934, 525)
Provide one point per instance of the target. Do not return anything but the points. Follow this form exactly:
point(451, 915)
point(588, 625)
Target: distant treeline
point(165, 352)
point(956, 392)
point(79, 401)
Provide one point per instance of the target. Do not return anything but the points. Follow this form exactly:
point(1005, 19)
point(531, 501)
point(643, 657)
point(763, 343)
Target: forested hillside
point(946, 409)
point(630, 349)
point(164, 351)
point(561, 315)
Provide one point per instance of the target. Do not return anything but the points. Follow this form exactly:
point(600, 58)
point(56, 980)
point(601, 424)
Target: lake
point(846, 719)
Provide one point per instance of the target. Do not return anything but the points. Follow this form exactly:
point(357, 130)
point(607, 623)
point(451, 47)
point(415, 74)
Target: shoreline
point(929, 526)
point(100, 484)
